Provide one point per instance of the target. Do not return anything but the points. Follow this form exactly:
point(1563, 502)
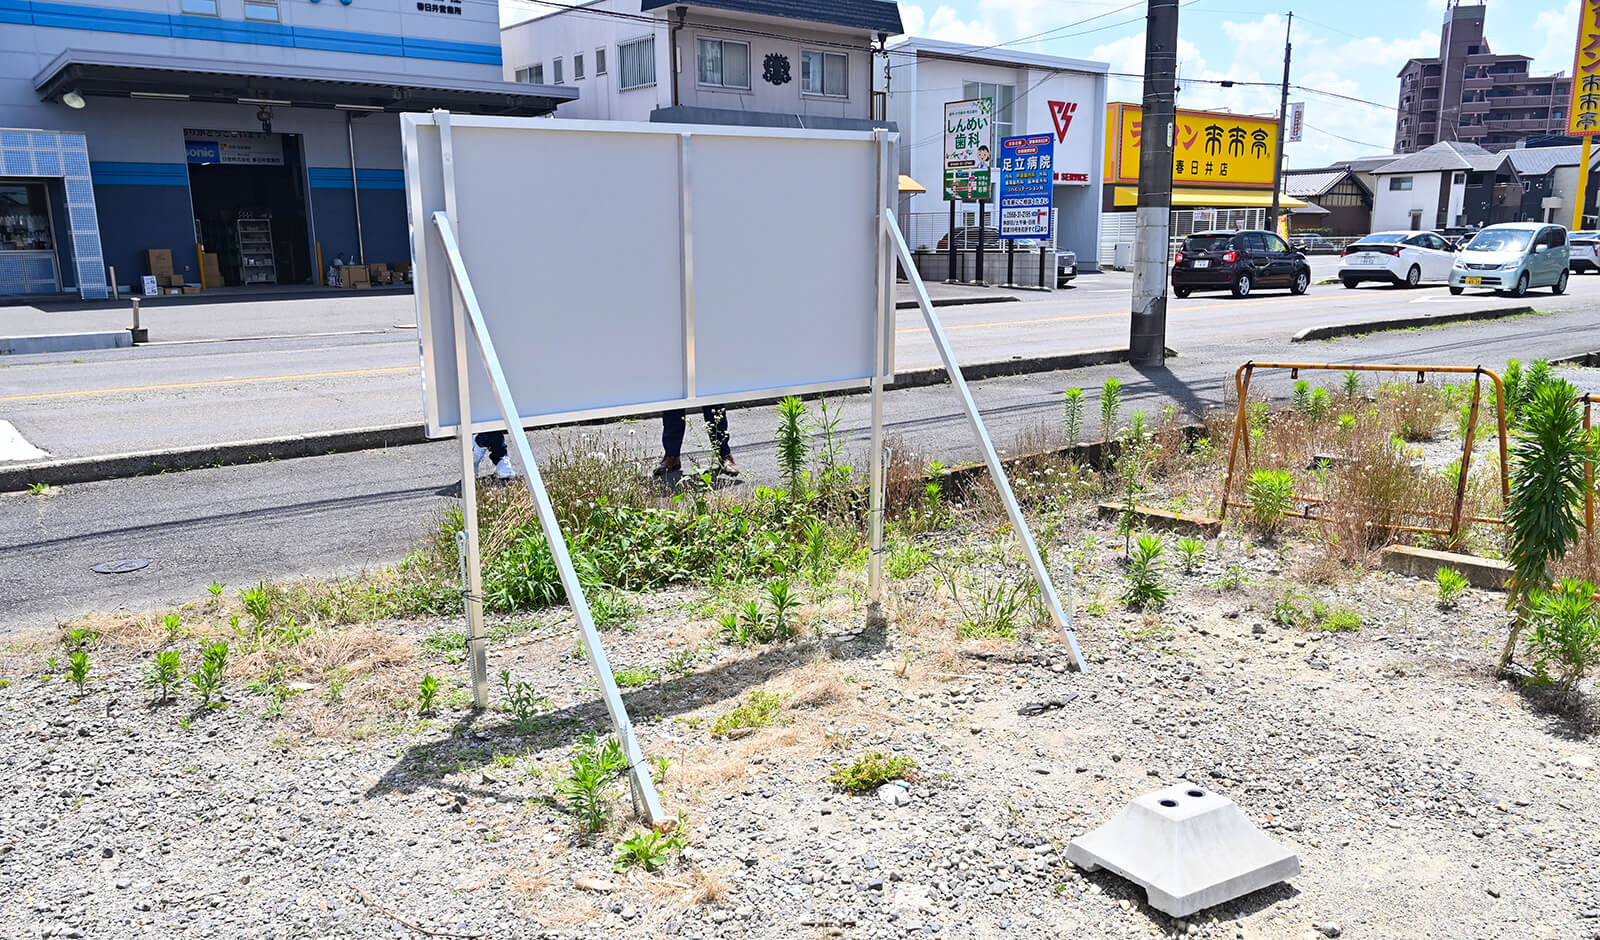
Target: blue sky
point(1349, 47)
point(1353, 47)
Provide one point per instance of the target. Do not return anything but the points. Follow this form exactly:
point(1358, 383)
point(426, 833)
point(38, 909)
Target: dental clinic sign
point(1026, 171)
point(968, 148)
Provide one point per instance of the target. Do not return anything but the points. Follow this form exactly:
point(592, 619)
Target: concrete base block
point(63, 342)
point(1487, 573)
point(1190, 849)
point(1204, 526)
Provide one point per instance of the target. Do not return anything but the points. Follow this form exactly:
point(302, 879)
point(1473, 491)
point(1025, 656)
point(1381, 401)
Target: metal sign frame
point(471, 330)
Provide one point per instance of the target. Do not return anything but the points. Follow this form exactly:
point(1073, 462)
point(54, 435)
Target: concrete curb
point(76, 470)
point(1312, 333)
point(959, 301)
point(64, 342)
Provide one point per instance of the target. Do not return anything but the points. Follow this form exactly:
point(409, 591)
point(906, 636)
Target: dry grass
point(711, 886)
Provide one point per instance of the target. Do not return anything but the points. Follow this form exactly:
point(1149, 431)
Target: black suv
point(1239, 262)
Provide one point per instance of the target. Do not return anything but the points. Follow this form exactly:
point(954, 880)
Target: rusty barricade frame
point(1241, 384)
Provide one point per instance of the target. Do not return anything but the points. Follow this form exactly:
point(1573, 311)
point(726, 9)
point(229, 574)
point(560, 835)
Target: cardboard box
point(213, 270)
point(173, 280)
point(354, 275)
point(158, 261)
point(191, 288)
point(150, 285)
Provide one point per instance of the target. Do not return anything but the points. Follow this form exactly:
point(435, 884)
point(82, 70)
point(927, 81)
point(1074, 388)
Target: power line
point(1348, 140)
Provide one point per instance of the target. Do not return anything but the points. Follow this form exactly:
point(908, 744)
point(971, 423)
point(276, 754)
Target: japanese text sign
point(1209, 148)
point(1026, 166)
point(1583, 117)
point(968, 148)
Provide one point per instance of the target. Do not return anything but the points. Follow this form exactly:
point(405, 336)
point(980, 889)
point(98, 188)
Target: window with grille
point(637, 61)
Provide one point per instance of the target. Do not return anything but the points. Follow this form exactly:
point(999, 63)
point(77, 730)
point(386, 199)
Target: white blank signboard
point(628, 268)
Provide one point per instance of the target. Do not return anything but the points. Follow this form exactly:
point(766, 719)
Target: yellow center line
point(155, 388)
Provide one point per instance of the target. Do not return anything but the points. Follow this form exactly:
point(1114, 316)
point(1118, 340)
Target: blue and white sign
point(1025, 186)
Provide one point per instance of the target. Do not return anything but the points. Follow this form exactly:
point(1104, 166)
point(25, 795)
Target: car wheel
point(1521, 290)
point(1560, 286)
point(1454, 290)
point(1414, 276)
point(1350, 283)
point(1302, 283)
point(1242, 285)
point(1181, 292)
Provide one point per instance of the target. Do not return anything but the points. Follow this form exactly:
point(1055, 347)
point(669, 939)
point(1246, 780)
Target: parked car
point(1238, 261)
point(1066, 266)
point(1583, 252)
point(1512, 258)
point(967, 239)
point(1315, 245)
point(1407, 258)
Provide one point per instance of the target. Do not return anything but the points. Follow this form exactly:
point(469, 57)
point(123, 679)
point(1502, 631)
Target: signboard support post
point(875, 481)
point(644, 791)
point(472, 583)
point(1011, 264)
point(981, 206)
point(1583, 183)
point(997, 473)
point(950, 240)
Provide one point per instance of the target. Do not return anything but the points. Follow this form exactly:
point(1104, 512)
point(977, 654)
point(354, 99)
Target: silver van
point(1512, 258)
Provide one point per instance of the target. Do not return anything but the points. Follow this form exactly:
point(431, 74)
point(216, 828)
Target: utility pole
point(1147, 336)
point(1283, 111)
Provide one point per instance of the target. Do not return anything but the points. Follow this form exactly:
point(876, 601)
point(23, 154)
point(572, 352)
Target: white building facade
point(1033, 94)
point(750, 62)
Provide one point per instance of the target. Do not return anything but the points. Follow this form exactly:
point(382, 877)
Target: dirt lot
point(1424, 797)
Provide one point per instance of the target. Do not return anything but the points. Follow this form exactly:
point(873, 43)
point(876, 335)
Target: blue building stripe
point(338, 177)
point(139, 174)
point(183, 26)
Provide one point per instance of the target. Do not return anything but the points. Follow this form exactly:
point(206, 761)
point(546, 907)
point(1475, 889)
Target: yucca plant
point(1547, 483)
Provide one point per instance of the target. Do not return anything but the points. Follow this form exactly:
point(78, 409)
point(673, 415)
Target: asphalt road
point(324, 365)
point(343, 513)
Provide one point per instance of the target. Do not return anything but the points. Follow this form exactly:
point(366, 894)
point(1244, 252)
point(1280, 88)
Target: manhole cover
point(120, 566)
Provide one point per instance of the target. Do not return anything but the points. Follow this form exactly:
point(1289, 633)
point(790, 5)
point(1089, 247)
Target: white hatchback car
point(1583, 252)
point(1407, 258)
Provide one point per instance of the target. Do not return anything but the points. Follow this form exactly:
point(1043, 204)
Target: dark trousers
point(672, 427)
point(494, 442)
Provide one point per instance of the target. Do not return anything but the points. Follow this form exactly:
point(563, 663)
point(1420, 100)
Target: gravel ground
point(1425, 798)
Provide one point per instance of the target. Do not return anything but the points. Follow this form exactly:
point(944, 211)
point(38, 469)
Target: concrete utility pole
point(1147, 337)
point(1283, 111)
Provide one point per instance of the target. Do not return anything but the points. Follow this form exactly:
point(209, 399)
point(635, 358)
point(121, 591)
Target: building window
point(261, 10)
point(199, 7)
point(723, 63)
point(824, 73)
point(637, 60)
point(1399, 183)
point(556, 67)
point(577, 67)
point(1003, 95)
point(532, 75)
point(1459, 178)
point(599, 62)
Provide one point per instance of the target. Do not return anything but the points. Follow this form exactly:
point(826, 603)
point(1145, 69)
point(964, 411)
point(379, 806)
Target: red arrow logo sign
point(1061, 112)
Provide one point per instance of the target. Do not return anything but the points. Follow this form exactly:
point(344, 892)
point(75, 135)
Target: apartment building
point(1470, 94)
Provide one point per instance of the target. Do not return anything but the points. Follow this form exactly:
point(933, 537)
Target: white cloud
point(1556, 29)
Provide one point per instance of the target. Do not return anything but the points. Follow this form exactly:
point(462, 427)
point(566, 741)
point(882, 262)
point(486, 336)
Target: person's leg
point(672, 427)
point(717, 430)
point(494, 442)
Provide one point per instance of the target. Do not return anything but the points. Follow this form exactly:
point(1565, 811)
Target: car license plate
point(1473, 281)
point(1367, 260)
point(1202, 264)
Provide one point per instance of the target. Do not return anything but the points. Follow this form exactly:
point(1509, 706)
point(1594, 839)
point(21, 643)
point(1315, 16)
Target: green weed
point(166, 670)
point(760, 709)
point(1452, 584)
point(873, 770)
point(648, 849)
point(427, 692)
point(1191, 554)
point(78, 668)
point(1143, 588)
point(1072, 414)
point(206, 680)
point(585, 789)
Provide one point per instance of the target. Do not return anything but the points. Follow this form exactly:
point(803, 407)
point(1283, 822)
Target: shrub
point(1452, 584)
point(1143, 588)
point(1547, 483)
point(1564, 634)
point(1072, 414)
point(1191, 553)
point(1110, 409)
point(873, 770)
point(1271, 495)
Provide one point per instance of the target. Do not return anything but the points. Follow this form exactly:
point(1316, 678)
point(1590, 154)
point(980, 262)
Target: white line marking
point(13, 446)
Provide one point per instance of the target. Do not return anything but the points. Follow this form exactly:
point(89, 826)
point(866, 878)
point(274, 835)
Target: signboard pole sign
point(1583, 112)
point(968, 148)
point(1026, 169)
point(1297, 120)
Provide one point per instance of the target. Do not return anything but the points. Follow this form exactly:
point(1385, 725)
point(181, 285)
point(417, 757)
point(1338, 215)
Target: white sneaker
point(503, 469)
point(478, 453)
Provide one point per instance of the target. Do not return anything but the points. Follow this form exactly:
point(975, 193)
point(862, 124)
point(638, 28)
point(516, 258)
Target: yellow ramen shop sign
point(1209, 148)
point(1583, 116)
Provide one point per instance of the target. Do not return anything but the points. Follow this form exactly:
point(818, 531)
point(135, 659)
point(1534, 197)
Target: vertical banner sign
point(1026, 166)
point(1583, 116)
point(1297, 120)
point(968, 148)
